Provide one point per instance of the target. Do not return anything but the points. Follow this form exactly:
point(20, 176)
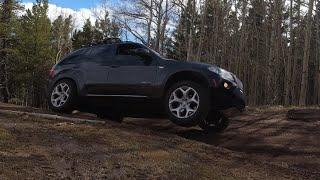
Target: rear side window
point(99, 53)
point(102, 54)
point(73, 57)
point(102, 51)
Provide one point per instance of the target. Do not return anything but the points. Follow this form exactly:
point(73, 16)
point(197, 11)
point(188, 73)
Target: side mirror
point(143, 52)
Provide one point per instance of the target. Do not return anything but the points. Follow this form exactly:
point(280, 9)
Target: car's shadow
point(163, 125)
point(211, 138)
point(247, 133)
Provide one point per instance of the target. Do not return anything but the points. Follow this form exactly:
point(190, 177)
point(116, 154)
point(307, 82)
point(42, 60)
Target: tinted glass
point(125, 58)
point(102, 51)
point(73, 57)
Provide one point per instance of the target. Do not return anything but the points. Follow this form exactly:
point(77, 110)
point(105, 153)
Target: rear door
point(132, 75)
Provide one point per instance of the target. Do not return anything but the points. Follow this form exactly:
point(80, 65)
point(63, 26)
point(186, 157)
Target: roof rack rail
point(112, 40)
point(105, 41)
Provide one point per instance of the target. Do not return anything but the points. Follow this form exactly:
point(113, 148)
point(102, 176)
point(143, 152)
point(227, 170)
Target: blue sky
point(73, 4)
point(79, 9)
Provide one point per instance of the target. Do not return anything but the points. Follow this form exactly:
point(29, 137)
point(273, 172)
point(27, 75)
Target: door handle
point(146, 83)
point(114, 66)
point(76, 67)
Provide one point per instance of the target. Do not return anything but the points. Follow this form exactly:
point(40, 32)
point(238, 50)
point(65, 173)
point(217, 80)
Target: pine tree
point(305, 68)
point(8, 25)
point(90, 34)
point(35, 52)
point(97, 33)
point(179, 49)
point(61, 32)
point(84, 37)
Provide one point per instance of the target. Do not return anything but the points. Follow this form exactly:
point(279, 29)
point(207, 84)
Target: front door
point(131, 75)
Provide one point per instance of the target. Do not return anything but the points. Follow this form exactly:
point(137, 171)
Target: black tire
point(70, 103)
point(116, 117)
point(215, 122)
point(203, 106)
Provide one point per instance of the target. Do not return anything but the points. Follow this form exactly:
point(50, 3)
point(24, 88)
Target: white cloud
point(79, 16)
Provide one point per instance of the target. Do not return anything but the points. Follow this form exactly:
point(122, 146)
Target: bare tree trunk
point(318, 81)
point(164, 27)
point(202, 32)
point(295, 72)
point(305, 68)
point(4, 77)
point(317, 73)
point(242, 44)
point(275, 57)
point(150, 23)
point(191, 31)
point(288, 79)
point(158, 25)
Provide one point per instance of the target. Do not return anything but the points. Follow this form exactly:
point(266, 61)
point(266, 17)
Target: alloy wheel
point(60, 95)
point(184, 102)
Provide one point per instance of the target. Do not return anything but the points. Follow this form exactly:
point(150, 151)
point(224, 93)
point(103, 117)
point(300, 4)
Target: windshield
point(155, 52)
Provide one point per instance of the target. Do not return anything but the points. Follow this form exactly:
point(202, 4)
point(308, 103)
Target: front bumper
point(231, 102)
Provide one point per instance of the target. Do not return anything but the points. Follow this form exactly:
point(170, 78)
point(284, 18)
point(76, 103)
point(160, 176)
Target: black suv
point(119, 79)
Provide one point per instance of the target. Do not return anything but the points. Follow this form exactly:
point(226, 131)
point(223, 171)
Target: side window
point(125, 57)
point(102, 53)
point(76, 57)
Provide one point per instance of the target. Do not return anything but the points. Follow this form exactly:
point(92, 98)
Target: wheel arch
point(67, 78)
point(193, 76)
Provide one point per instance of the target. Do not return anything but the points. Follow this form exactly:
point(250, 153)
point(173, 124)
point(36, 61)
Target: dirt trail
point(266, 135)
point(260, 144)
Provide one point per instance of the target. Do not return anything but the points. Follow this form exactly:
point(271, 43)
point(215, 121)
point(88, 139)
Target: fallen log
point(304, 114)
point(51, 117)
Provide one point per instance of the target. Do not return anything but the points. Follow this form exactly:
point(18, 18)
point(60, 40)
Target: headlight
point(223, 73)
point(226, 75)
point(227, 85)
point(214, 69)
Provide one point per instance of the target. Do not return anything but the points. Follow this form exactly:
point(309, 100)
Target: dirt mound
point(304, 114)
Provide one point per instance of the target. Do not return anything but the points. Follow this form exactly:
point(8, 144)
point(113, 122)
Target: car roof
point(113, 43)
point(127, 42)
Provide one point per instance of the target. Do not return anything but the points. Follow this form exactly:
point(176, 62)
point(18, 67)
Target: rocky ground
point(262, 143)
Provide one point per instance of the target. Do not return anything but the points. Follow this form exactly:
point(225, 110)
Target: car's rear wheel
point(62, 96)
point(187, 103)
point(215, 122)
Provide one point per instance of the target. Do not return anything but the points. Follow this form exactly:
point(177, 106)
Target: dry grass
point(54, 149)
point(5, 136)
point(268, 108)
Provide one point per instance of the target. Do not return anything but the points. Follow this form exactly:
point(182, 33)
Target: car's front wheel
point(187, 103)
point(62, 96)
